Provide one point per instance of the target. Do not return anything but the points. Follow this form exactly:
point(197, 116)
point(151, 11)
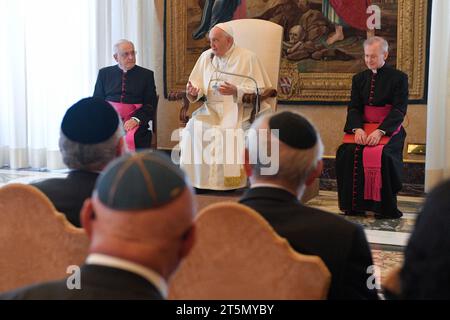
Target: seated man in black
point(130, 89)
point(368, 170)
point(91, 136)
point(342, 245)
point(140, 224)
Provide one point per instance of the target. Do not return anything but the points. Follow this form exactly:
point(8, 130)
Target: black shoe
point(395, 216)
point(202, 191)
point(354, 213)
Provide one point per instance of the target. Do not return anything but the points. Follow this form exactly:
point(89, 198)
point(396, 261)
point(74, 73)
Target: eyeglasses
point(126, 54)
point(372, 56)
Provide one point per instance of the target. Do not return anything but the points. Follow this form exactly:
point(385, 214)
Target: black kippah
point(294, 130)
point(90, 121)
point(140, 181)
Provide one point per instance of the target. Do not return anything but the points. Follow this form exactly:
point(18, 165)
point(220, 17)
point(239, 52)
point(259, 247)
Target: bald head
point(145, 227)
point(155, 238)
point(300, 151)
point(142, 210)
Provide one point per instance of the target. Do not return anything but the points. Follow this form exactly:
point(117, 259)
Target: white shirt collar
point(114, 262)
point(376, 70)
point(270, 185)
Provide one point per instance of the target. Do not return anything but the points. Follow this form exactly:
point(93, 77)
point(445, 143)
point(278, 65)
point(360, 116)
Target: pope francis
point(212, 142)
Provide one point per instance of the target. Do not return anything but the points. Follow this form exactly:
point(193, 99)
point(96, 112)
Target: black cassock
point(136, 86)
point(390, 88)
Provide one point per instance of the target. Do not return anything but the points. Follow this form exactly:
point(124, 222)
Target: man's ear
point(115, 57)
point(87, 216)
point(386, 54)
point(247, 167)
point(188, 242)
point(315, 173)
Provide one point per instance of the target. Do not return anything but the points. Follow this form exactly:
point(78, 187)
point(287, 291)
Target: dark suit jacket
point(342, 245)
point(97, 283)
point(68, 194)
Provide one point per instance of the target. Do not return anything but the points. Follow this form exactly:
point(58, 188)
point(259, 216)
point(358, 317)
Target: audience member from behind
point(342, 245)
point(140, 223)
point(426, 270)
point(91, 136)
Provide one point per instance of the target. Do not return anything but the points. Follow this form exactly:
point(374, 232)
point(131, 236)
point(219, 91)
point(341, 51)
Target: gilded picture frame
point(310, 78)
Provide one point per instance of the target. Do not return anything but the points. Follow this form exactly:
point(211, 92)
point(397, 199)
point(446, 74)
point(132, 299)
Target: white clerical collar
point(375, 71)
point(270, 185)
point(114, 262)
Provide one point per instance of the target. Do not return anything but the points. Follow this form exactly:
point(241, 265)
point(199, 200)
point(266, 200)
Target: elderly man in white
point(212, 142)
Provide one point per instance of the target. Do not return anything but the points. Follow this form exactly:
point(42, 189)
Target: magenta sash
point(372, 155)
point(125, 112)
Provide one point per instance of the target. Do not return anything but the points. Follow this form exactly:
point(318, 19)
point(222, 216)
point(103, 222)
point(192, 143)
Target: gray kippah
point(140, 181)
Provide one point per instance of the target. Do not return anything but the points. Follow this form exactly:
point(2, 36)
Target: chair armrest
point(181, 95)
point(247, 98)
point(251, 98)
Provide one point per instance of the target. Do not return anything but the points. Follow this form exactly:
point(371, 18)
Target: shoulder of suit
point(332, 218)
point(144, 70)
point(394, 71)
point(360, 75)
point(108, 69)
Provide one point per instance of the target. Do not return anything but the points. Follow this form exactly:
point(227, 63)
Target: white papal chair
point(247, 34)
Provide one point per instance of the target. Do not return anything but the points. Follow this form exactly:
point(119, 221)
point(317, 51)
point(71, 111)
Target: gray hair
point(89, 157)
point(295, 165)
point(383, 43)
point(119, 43)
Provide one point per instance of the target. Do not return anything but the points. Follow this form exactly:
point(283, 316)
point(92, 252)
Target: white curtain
point(51, 51)
point(438, 129)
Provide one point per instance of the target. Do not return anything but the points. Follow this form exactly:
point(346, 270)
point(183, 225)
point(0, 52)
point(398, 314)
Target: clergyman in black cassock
point(380, 86)
point(127, 84)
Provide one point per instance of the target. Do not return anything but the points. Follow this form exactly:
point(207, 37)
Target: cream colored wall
point(329, 120)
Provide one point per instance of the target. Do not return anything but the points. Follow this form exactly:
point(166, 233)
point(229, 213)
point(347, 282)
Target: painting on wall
point(322, 45)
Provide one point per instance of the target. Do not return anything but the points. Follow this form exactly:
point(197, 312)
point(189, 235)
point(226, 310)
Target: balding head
point(299, 154)
point(156, 233)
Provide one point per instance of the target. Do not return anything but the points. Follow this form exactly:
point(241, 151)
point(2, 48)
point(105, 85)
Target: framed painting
point(322, 45)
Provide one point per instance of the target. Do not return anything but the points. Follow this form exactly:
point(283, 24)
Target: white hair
point(119, 43)
point(90, 157)
point(295, 165)
point(383, 43)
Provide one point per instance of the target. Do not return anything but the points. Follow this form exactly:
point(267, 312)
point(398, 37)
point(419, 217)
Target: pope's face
point(219, 41)
point(374, 56)
point(126, 56)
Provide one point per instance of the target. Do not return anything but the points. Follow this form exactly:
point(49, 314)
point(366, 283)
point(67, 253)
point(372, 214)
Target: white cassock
point(210, 155)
